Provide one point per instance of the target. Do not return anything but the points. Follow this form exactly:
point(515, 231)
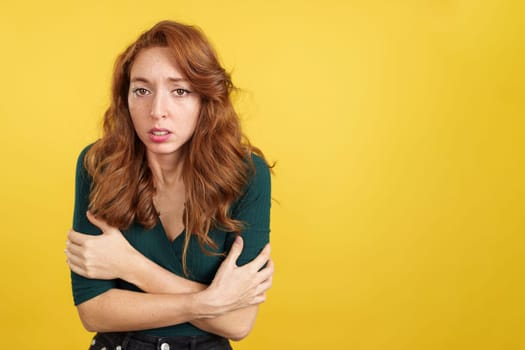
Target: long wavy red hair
point(217, 159)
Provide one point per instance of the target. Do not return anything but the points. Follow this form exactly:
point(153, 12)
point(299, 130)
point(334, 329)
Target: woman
point(181, 200)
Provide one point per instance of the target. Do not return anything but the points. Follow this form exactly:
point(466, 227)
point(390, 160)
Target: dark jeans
point(135, 341)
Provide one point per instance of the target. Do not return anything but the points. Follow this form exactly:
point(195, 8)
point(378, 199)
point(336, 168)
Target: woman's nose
point(159, 107)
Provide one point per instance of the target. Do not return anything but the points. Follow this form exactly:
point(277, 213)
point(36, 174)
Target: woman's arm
point(123, 310)
point(233, 288)
point(153, 278)
point(110, 256)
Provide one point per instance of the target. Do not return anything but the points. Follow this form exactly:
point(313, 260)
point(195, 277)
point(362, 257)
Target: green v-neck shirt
point(252, 208)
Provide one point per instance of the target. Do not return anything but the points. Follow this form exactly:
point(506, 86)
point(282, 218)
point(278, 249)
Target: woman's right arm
point(122, 310)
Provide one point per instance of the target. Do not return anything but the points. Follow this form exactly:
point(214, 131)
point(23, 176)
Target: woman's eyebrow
point(170, 79)
point(177, 80)
point(139, 79)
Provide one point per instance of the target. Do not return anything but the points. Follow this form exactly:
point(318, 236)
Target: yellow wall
point(399, 134)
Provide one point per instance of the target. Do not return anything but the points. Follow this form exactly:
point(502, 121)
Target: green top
point(252, 208)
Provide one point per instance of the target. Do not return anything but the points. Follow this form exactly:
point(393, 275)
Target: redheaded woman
point(169, 247)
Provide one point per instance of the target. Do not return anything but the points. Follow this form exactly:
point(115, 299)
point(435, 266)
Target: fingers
point(269, 268)
point(73, 248)
point(264, 286)
point(266, 272)
point(259, 299)
point(73, 261)
point(261, 259)
point(73, 267)
point(74, 253)
point(77, 267)
point(76, 237)
point(262, 283)
point(78, 262)
point(235, 251)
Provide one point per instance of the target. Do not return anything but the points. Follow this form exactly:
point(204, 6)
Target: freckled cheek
point(139, 119)
point(138, 108)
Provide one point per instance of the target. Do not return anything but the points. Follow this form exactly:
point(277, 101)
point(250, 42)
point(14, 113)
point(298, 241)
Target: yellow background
point(398, 131)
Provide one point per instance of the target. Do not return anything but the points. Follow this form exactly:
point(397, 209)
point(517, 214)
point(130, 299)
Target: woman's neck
point(166, 169)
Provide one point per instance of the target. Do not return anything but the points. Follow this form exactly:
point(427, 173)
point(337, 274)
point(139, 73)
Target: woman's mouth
point(159, 135)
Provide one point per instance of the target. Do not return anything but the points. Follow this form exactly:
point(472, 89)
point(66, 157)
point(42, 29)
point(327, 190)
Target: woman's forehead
point(154, 63)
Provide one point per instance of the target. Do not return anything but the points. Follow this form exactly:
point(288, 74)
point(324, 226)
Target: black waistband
point(177, 340)
point(117, 340)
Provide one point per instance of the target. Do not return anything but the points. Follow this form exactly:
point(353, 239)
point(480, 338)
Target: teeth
point(160, 133)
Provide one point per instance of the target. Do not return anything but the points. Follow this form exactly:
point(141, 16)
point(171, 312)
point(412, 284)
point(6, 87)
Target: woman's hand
point(99, 257)
point(235, 287)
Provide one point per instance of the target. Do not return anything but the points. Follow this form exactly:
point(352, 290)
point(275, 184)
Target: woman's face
point(163, 107)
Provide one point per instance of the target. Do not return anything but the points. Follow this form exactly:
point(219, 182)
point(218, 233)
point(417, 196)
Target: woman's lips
point(159, 135)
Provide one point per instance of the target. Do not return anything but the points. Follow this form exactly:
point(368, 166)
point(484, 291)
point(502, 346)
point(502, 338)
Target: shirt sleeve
point(85, 288)
point(253, 209)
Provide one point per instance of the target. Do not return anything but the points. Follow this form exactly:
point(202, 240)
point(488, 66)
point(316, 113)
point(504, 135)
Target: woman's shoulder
point(259, 171)
point(259, 162)
point(81, 168)
point(82, 154)
point(258, 184)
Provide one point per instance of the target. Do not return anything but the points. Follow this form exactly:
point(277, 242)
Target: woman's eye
point(140, 91)
point(181, 92)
